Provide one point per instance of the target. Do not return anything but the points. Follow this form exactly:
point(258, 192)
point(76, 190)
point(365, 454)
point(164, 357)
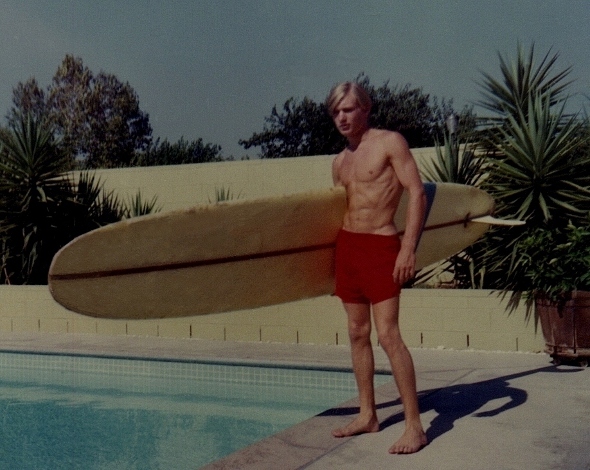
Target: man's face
point(349, 117)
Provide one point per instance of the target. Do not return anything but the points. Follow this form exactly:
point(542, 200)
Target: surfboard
point(238, 254)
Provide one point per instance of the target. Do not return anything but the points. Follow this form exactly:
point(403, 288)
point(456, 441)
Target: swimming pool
point(62, 411)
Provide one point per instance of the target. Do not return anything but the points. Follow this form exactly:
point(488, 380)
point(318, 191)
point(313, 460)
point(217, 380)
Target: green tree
point(42, 207)
point(304, 127)
point(27, 98)
point(181, 152)
point(96, 118)
point(300, 128)
point(412, 113)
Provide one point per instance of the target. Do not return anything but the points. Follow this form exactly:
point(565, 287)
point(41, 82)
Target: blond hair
point(339, 91)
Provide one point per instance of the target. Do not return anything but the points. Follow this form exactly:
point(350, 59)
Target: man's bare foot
point(358, 426)
point(411, 441)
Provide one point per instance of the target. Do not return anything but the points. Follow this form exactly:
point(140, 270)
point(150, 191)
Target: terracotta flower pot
point(566, 326)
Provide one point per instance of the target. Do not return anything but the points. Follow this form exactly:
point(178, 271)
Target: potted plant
point(537, 157)
point(554, 269)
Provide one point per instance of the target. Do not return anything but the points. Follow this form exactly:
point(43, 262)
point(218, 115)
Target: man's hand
point(405, 266)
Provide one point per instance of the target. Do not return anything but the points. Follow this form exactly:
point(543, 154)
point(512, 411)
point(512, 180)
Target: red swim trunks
point(364, 267)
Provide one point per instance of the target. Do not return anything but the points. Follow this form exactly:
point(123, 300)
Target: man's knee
point(359, 331)
point(390, 339)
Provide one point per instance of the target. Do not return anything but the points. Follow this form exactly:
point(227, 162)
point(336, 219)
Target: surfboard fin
point(488, 219)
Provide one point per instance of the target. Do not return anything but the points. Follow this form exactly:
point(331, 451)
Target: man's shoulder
point(337, 161)
point(391, 142)
point(385, 134)
point(338, 157)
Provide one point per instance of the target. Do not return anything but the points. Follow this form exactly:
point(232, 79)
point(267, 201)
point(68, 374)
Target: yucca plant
point(224, 194)
point(536, 170)
point(456, 162)
point(536, 173)
point(138, 206)
point(522, 79)
point(42, 207)
point(90, 206)
point(31, 190)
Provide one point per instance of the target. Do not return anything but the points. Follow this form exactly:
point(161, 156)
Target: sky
point(213, 69)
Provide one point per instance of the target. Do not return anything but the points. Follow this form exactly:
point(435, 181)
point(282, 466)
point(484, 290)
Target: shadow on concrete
point(458, 401)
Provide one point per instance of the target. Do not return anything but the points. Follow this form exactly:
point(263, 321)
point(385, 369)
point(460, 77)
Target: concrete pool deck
point(484, 410)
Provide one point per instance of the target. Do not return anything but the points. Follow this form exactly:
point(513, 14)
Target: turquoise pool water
point(70, 412)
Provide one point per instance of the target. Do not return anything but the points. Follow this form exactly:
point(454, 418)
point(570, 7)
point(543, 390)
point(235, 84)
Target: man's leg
point(386, 315)
point(363, 364)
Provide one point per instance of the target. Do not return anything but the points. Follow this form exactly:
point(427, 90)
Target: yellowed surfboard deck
point(236, 255)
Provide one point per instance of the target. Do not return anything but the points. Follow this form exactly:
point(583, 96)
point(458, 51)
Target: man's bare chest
point(364, 168)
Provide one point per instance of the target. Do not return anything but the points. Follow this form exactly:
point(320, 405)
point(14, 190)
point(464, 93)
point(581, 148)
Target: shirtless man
point(371, 265)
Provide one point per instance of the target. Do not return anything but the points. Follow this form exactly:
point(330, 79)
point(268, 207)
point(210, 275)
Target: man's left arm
point(407, 172)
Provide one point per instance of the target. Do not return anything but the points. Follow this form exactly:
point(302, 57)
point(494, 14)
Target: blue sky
point(215, 68)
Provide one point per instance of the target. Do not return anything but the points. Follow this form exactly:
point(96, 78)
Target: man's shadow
point(458, 401)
